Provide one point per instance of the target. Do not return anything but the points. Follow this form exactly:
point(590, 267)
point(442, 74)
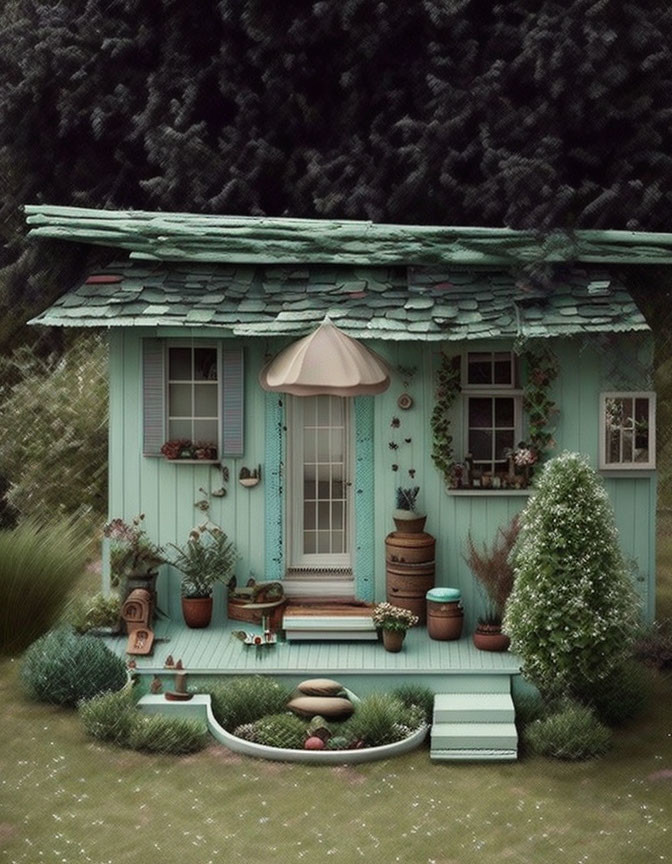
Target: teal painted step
point(474, 736)
point(474, 682)
point(473, 708)
point(474, 755)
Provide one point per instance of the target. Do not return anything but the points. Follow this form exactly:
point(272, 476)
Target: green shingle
point(431, 303)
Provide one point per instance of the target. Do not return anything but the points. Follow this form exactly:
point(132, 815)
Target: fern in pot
point(207, 557)
point(407, 519)
point(492, 568)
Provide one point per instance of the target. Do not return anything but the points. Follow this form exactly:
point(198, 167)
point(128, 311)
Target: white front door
point(319, 507)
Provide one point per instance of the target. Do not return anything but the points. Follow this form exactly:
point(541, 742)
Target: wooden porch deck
point(214, 651)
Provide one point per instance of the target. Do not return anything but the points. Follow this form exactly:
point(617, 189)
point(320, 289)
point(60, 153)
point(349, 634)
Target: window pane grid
point(627, 433)
point(487, 443)
point(193, 394)
point(325, 505)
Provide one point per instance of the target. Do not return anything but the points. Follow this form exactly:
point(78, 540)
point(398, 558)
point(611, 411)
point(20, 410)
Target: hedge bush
point(244, 700)
point(97, 610)
point(571, 732)
point(281, 730)
point(62, 668)
point(39, 565)
point(158, 733)
point(621, 695)
point(415, 694)
point(572, 613)
point(381, 718)
point(110, 716)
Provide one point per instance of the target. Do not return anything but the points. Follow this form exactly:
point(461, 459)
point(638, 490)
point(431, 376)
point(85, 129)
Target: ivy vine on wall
point(447, 389)
point(542, 370)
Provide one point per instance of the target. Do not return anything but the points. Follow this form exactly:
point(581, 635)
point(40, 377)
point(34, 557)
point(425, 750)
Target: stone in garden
point(320, 687)
point(314, 743)
point(325, 706)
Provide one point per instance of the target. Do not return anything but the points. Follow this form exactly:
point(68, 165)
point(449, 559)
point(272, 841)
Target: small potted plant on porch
point(494, 572)
point(207, 557)
point(134, 558)
point(393, 621)
point(406, 518)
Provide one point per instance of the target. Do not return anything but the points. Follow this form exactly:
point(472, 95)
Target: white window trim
point(493, 393)
point(188, 343)
point(464, 383)
point(306, 563)
point(627, 466)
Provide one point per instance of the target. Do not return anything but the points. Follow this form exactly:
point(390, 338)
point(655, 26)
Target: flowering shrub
point(572, 613)
point(389, 617)
point(132, 552)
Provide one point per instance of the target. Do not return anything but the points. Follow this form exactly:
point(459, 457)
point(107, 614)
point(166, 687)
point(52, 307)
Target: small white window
point(628, 430)
point(488, 370)
point(193, 394)
point(492, 410)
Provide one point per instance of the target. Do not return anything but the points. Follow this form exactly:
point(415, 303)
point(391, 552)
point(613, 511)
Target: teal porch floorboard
point(214, 651)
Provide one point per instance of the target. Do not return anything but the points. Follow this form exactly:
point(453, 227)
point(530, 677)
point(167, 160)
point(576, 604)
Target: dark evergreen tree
point(528, 113)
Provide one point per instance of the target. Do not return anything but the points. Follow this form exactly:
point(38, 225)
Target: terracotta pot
point(393, 640)
point(410, 526)
point(197, 611)
point(489, 637)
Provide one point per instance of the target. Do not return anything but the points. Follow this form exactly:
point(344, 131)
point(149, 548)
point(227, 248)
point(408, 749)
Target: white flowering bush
point(573, 611)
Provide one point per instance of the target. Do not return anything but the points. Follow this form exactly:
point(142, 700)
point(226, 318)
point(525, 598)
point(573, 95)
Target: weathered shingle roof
point(426, 303)
point(211, 238)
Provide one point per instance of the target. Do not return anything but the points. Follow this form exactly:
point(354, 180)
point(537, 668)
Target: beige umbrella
point(326, 362)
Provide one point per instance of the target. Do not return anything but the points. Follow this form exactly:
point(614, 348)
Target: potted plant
point(134, 558)
point(494, 572)
point(207, 557)
point(406, 519)
point(393, 621)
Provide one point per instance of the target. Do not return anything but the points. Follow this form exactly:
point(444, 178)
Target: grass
point(65, 798)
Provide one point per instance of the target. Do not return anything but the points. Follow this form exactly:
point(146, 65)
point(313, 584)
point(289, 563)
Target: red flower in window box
point(177, 449)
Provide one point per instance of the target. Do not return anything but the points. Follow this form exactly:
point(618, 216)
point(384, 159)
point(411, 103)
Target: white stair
point(474, 726)
point(329, 627)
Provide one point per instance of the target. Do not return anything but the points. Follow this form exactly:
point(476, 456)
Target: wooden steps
point(475, 723)
point(328, 620)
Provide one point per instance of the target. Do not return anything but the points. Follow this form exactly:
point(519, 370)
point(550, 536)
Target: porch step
point(477, 726)
point(473, 708)
point(304, 624)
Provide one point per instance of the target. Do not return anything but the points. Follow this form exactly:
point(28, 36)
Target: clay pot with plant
point(492, 568)
point(207, 557)
point(407, 519)
point(393, 622)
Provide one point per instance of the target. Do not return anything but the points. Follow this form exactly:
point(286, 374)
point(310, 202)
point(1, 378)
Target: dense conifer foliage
point(527, 114)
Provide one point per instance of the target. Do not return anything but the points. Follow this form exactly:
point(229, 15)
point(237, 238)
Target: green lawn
point(64, 798)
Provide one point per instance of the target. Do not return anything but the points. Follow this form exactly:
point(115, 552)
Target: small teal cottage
point(196, 306)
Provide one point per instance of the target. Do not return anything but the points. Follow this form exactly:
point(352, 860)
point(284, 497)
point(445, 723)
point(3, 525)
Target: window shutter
point(233, 397)
point(153, 396)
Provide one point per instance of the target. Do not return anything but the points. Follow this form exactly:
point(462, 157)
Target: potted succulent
point(494, 572)
point(406, 519)
point(207, 557)
point(393, 621)
point(134, 558)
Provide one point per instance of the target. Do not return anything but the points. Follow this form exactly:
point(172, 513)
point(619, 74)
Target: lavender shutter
point(153, 396)
point(233, 398)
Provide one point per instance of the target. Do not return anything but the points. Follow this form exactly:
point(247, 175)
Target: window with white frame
point(193, 394)
point(628, 430)
point(492, 409)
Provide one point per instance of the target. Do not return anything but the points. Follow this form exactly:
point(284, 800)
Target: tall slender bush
point(53, 432)
point(39, 565)
point(572, 613)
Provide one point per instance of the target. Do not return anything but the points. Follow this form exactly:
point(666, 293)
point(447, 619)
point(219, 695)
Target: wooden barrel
point(409, 570)
point(409, 548)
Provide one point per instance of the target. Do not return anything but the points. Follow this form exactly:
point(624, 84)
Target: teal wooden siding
point(166, 492)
